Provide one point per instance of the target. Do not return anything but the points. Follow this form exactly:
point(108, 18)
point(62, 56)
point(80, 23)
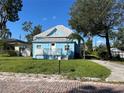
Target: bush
point(103, 55)
point(4, 55)
point(7, 53)
point(117, 58)
point(102, 52)
point(87, 53)
point(12, 53)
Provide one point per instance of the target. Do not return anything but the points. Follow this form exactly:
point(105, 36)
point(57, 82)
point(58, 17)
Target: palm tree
point(5, 34)
point(78, 37)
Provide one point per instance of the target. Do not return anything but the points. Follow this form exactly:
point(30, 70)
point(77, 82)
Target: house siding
point(35, 52)
point(69, 52)
point(54, 42)
point(59, 45)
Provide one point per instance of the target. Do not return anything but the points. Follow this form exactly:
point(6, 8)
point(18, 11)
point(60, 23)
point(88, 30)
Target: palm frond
point(75, 36)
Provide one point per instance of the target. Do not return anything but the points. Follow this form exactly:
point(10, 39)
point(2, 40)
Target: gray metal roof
point(53, 39)
point(66, 32)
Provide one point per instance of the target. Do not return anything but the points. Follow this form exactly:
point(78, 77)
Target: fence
point(57, 51)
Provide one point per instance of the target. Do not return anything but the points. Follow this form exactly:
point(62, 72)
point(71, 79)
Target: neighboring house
point(20, 47)
point(116, 52)
point(53, 43)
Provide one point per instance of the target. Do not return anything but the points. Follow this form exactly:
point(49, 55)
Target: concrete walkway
point(117, 70)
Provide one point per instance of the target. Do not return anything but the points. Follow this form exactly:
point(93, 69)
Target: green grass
point(70, 68)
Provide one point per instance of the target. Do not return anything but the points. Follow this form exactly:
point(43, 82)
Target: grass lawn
point(70, 68)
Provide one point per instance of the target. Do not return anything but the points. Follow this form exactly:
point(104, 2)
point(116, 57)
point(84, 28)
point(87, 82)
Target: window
point(67, 47)
point(38, 46)
point(52, 32)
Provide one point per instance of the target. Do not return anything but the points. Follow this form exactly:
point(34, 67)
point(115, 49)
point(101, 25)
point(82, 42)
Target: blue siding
point(43, 45)
point(59, 45)
point(69, 52)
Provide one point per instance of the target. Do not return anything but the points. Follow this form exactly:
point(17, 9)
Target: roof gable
point(57, 31)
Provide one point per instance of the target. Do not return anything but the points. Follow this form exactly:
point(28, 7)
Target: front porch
point(47, 53)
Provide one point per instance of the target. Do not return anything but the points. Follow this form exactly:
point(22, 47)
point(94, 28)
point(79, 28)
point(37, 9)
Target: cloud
point(54, 17)
point(44, 19)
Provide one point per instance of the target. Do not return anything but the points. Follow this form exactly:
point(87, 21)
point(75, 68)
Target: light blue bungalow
point(53, 43)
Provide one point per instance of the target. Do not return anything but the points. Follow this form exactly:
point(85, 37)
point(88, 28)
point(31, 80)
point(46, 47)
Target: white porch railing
point(47, 51)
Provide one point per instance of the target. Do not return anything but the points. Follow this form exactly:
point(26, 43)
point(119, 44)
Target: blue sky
point(47, 13)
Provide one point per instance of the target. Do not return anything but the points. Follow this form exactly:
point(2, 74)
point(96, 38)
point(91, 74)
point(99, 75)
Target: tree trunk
point(84, 50)
point(0, 27)
point(108, 45)
point(79, 45)
point(0, 30)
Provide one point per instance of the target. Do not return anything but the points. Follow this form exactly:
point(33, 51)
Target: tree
point(102, 51)
point(98, 17)
point(27, 26)
point(37, 30)
point(32, 31)
point(119, 39)
point(5, 34)
point(89, 45)
point(77, 36)
point(9, 12)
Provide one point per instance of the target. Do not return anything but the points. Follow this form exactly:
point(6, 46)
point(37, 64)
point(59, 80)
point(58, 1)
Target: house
point(117, 52)
point(14, 45)
point(54, 43)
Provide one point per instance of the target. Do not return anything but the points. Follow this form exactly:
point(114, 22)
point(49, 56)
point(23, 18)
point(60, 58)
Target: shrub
point(4, 55)
point(103, 55)
point(102, 52)
point(117, 58)
point(12, 53)
point(87, 53)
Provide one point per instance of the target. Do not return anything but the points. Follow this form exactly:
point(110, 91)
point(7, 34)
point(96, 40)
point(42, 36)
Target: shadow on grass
point(94, 89)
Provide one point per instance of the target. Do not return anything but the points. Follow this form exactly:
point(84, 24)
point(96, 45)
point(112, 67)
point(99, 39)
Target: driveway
point(117, 70)
point(38, 84)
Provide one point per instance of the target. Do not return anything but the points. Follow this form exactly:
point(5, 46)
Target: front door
point(53, 48)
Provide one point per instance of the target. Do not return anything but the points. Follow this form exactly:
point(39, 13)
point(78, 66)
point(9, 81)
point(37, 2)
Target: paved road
point(22, 84)
point(117, 73)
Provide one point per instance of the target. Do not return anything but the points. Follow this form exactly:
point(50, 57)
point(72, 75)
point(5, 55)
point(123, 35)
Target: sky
point(47, 13)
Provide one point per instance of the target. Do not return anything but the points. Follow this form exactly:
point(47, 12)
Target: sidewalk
point(30, 84)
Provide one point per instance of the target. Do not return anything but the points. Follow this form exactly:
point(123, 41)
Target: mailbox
point(59, 58)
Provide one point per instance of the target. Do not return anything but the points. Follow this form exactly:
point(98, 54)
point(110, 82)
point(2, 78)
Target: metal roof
point(53, 39)
point(66, 32)
point(14, 41)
